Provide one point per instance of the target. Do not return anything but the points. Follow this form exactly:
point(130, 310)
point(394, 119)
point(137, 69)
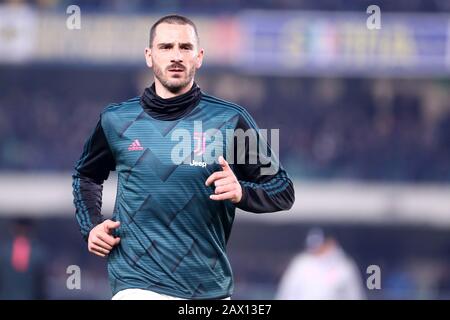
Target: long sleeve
point(263, 189)
point(91, 170)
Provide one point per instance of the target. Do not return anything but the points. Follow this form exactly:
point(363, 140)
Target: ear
point(200, 58)
point(148, 57)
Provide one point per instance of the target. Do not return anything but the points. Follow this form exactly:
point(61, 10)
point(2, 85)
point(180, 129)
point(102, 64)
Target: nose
point(176, 56)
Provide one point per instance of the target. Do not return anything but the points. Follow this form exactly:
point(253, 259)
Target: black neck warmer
point(172, 108)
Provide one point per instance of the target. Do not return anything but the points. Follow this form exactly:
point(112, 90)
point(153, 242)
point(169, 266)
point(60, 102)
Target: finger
point(100, 243)
point(111, 225)
point(96, 249)
point(226, 188)
point(224, 181)
point(224, 164)
point(97, 253)
point(99, 249)
point(215, 176)
point(223, 196)
point(110, 240)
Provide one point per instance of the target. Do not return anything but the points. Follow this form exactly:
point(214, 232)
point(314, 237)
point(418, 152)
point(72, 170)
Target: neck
point(166, 94)
point(171, 107)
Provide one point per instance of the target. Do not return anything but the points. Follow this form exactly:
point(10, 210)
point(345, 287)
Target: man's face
point(174, 56)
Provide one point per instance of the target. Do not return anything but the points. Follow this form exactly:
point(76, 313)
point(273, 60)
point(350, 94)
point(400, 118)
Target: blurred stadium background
point(364, 119)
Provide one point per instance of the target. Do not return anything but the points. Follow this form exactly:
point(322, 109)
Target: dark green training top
point(173, 236)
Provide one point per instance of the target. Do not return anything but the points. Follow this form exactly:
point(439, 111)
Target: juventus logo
point(199, 143)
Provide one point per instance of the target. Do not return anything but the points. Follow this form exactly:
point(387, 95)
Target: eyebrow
point(189, 45)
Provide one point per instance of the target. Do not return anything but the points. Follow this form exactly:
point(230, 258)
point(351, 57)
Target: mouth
point(176, 73)
point(176, 69)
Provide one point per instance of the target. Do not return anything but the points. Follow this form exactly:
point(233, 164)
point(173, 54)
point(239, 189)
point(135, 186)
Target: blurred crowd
point(370, 129)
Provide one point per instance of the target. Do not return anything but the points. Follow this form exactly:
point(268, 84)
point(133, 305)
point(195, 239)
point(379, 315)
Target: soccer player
point(171, 222)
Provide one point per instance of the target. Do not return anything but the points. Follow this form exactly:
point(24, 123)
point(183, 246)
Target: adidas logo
point(135, 146)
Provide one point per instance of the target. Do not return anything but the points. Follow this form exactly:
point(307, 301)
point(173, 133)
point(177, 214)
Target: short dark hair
point(172, 19)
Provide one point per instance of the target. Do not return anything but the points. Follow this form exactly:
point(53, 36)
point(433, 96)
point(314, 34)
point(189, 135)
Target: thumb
point(111, 225)
point(224, 164)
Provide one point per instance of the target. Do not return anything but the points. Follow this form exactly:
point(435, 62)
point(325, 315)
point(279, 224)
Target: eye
point(165, 46)
point(186, 47)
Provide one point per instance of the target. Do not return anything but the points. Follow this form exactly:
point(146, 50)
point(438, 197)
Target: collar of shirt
point(172, 108)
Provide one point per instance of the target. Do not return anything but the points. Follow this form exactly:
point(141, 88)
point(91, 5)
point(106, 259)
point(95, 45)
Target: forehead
point(168, 33)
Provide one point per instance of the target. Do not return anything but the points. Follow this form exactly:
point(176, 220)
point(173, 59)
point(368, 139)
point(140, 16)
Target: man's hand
point(101, 241)
point(227, 185)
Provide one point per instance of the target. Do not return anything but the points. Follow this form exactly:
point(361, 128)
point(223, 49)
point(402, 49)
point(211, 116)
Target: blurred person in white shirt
point(322, 272)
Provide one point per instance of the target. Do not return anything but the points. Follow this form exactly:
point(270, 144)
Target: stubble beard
point(168, 84)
